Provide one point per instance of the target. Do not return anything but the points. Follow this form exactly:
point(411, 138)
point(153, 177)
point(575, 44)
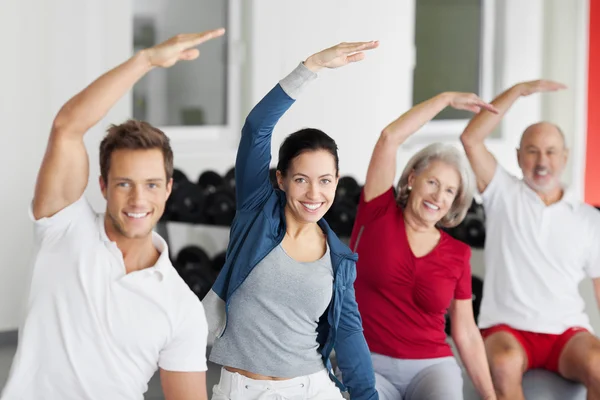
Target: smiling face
point(542, 157)
point(433, 192)
point(309, 185)
point(136, 192)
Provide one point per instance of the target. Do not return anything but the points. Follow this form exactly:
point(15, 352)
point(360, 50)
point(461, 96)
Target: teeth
point(430, 205)
point(542, 172)
point(311, 206)
point(136, 215)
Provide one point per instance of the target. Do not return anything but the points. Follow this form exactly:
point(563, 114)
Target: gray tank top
point(273, 316)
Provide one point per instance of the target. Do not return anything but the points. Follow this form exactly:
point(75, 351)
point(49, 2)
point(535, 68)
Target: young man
point(540, 243)
point(106, 307)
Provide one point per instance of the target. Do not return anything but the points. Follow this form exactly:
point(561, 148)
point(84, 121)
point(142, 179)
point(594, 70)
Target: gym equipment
point(220, 207)
point(477, 290)
point(186, 202)
point(195, 268)
point(538, 384)
point(472, 229)
point(341, 216)
point(209, 181)
point(229, 179)
point(347, 188)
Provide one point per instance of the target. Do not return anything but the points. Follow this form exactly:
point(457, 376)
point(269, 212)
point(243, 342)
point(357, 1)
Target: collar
point(163, 264)
point(569, 197)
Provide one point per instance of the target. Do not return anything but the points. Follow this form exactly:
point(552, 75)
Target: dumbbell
point(341, 216)
point(348, 188)
point(220, 198)
point(195, 268)
point(477, 294)
point(170, 213)
point(210, 181)
point(229, 179)
point(472, 229)
point(186, 202)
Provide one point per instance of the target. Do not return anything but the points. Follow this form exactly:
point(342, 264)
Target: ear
point(518, 153)
point(102, 186)
point(169, 188)
point(280, 180)
point(411, 178)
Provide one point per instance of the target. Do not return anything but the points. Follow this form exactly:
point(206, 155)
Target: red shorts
point(543, 350)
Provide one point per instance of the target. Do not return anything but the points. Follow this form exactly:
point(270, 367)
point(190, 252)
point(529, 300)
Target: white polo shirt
point(535, 258)
point(91, 331)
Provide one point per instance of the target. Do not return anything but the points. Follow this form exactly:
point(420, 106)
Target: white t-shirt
point(535, 258)
point(91, 331)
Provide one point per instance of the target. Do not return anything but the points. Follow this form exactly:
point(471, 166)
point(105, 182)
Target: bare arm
point(183, 385)
point(382, 168)
point(63, 175)
point(470, 347)
point(484, 123)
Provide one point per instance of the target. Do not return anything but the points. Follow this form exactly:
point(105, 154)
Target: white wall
point(52, 56)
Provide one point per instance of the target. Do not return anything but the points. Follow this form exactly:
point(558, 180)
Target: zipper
point(360, 232)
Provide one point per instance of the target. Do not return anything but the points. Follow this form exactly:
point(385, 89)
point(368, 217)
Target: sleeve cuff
point(297, 80)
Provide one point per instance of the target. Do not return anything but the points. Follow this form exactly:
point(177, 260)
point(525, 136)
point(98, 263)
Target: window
point(196, 96)
point(454, 52)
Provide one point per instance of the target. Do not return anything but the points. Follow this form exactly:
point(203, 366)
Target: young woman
point(410, 271)
point(285, 299)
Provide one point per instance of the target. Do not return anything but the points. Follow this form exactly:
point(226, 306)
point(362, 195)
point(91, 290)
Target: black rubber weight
point(195, 267)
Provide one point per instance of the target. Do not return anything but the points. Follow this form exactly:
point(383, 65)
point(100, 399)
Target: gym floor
point(154, 392)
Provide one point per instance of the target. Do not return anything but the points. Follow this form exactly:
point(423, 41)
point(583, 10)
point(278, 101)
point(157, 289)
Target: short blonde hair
point(452, 156)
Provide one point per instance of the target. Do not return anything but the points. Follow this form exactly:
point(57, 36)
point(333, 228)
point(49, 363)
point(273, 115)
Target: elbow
point(468, 140)
point(388, 139)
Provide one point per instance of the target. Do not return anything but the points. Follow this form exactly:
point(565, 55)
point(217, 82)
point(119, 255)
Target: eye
point(451, 191)
point(325, 181)
point(152, 185)
point(300, 180)
point(432, 182)
point(123, 184)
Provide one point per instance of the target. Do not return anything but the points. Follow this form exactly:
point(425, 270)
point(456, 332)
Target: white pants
point(317, 386)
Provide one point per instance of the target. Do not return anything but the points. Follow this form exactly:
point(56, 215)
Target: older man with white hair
point(541, 242)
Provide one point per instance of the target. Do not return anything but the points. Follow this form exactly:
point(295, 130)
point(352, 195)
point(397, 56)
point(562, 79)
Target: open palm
point(340, 55)
point(180, 47)
point(470, 102)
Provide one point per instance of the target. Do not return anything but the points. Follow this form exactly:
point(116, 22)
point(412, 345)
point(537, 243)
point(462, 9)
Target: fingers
point(194, 39)
point(487, 106)
point(189, 54)
point(349, 48)
point(356, 57)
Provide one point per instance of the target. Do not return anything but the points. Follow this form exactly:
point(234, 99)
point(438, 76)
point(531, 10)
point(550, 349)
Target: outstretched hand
point(470, 102)
point(539, 86)
point(180, 47)
point(339, 55)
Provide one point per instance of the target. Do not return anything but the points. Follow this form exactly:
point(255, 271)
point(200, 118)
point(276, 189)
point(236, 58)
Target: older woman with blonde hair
point(410, 272)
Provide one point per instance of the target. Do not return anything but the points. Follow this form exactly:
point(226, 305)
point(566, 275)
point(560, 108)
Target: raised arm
point(483, 124)
point(254, 153)
point(382, 167)
point(63, 175)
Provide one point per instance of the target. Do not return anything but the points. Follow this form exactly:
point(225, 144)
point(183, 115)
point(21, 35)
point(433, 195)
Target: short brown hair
point(134, 135)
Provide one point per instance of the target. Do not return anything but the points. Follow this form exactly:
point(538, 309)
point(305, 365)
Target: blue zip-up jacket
point(259, 226)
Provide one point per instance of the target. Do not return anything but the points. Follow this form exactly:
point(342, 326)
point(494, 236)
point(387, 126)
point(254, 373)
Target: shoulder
point(455, 247)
